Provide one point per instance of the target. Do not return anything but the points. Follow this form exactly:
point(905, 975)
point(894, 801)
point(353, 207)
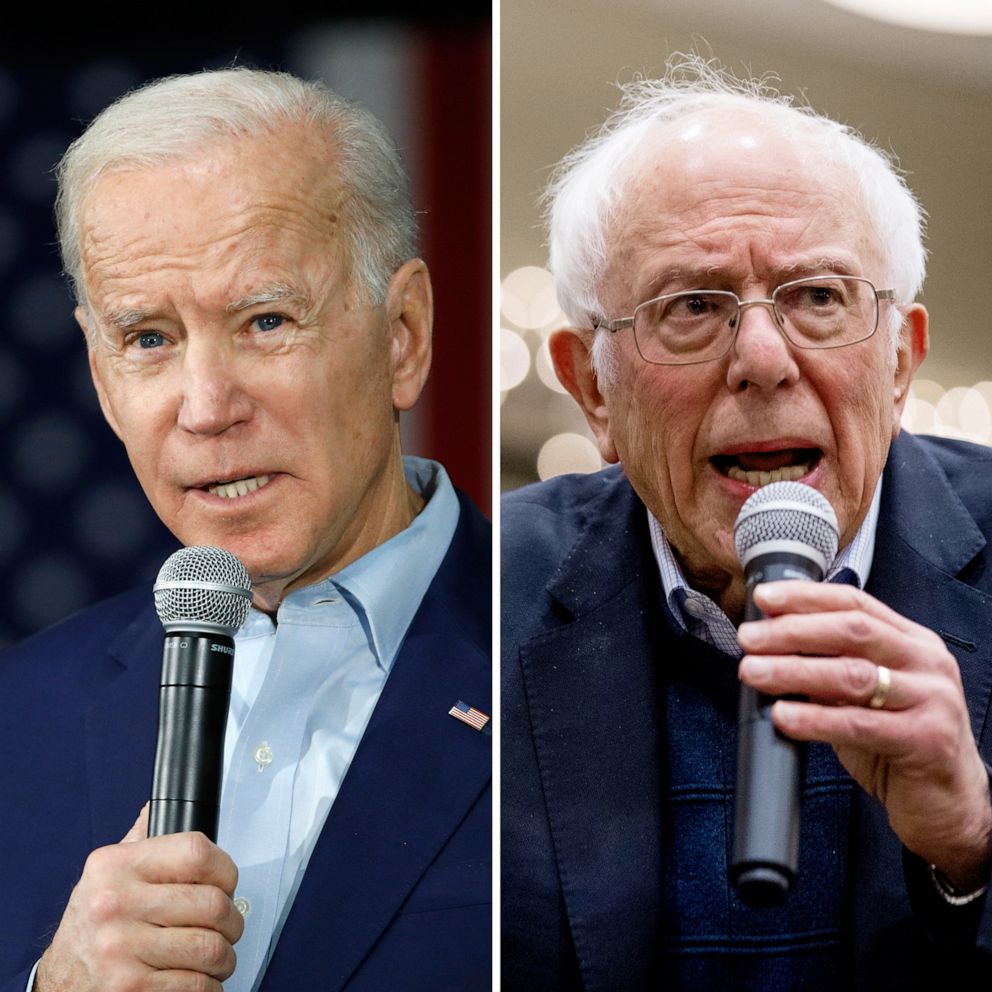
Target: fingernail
point(784, 713)
point(772, 594)
point(756, 668)
point(752, 632)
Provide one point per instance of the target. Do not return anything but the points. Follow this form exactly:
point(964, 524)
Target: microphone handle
point(193, 702)
point(769, 768)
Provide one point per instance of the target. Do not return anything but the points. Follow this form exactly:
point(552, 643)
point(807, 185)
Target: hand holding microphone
point(904, 735)
point(156, 904)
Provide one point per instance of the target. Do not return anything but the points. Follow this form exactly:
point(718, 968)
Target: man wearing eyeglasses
point(741, 278)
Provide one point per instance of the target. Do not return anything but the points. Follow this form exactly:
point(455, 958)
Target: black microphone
point(785, 530)
point(202, 596)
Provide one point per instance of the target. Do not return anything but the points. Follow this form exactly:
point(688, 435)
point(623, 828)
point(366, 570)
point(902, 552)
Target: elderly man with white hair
point(242, 247)
point(741, 277)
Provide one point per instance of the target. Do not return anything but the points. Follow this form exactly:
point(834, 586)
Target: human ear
point(410, 310)
point(914, 343)
point(570, 350)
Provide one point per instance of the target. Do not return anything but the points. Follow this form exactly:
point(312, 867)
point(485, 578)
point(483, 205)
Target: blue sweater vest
point(710, 939)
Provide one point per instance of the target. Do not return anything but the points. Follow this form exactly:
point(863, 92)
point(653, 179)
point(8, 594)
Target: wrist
point(951, 893)
point(966, 865)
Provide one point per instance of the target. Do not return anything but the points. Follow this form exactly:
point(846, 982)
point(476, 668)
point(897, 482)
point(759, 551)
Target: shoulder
point(562, 537)
point(967, 468)
point(958, 460)
point(66, 656)
point(474, 533)
point(541, 522)
point(564, 493)
point(463, 583)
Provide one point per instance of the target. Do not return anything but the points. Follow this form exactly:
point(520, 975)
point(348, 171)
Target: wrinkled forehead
point(291, 170)
point(234, 204)
point(679, 172)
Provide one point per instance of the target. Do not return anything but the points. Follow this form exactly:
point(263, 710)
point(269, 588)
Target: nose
point(761, 356)
point(212, 395)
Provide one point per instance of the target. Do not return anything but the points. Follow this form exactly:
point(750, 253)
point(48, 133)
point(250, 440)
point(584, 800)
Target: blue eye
point(268, 321)
point(150, 339)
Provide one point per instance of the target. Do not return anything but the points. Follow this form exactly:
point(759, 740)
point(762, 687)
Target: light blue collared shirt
point(304, 689)
point(700, 616)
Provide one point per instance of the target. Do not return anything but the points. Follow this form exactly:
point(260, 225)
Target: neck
point(384, 514)
point(727, 590)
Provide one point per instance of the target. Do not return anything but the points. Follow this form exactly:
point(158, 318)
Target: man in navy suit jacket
point(241, 244)
point(741, 278)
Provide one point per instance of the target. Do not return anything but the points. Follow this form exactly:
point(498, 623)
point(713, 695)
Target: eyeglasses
point(701, 325)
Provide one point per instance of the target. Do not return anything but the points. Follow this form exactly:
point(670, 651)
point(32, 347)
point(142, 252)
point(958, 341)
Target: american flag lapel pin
point(476, 719)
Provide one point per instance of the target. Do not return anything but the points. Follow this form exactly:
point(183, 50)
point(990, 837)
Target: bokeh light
point(527, 298)
point(545, 370)
point(567, 453)
point(514, 359)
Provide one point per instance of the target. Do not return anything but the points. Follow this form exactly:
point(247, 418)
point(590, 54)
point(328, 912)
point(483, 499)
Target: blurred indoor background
point(926, 95)
point(74, 525)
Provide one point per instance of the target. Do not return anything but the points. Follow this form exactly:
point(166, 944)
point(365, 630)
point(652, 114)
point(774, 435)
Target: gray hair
point(177, 117)
point(586, 189)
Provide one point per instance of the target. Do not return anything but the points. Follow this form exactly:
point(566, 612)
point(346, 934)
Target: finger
point(181, 981)
point(850, 633)
point(204, 906)
point(184, 858)
point(184, 949)
point(775, 598)
point(921, 739)
point(837, 681)
point(139, 829)
point(881, 732)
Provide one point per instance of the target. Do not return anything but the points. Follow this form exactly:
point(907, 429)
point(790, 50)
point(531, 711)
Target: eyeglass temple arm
point(612, 325)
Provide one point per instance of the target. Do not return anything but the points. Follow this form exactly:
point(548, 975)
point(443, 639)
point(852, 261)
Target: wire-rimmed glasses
point(701, 325)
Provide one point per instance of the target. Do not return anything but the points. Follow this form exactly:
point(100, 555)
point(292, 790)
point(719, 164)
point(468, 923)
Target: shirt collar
point(852, 564)
point(386, 585)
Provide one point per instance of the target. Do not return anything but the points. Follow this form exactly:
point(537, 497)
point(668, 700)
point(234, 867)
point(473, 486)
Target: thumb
point(139, 830)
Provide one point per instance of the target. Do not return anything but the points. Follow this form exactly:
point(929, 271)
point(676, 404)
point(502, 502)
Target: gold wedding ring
point(882, 687)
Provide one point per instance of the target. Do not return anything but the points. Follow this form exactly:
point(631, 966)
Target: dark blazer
point(397, 892)
point(585, 639)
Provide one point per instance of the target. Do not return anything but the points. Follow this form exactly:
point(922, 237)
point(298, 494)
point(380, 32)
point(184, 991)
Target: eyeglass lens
point(821, 312)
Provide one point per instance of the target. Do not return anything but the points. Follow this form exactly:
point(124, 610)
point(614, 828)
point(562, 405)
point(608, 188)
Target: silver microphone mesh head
point(791, 515)
point(203, 588)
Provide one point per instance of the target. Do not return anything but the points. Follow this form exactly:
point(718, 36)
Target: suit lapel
point(416, 774)
point(592, 690)
point(120, 775)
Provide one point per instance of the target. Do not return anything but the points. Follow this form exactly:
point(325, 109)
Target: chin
point(264, 560)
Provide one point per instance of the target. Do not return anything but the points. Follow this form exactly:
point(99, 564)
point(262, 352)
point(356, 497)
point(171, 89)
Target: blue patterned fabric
point(711, 940)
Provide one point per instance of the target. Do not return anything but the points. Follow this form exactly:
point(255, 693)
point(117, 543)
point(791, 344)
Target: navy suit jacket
point(397, 892)
point(585, 638)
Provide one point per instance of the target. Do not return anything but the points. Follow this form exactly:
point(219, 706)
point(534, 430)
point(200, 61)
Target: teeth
point(240, 487)
point(789, 473)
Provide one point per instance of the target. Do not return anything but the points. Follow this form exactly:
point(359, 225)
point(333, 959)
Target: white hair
point(586, 191)
point(178, 117)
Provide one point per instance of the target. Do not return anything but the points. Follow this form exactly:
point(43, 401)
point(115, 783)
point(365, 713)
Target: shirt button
point(695, 608)
point(242, 905)
point(263, 756)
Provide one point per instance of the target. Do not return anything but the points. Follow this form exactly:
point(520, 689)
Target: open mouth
point(237, 487)
point(759, 468)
